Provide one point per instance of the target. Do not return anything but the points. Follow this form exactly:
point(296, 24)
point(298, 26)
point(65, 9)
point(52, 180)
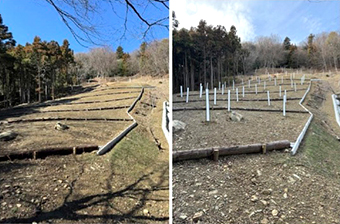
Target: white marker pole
point(284, 105)
point(236, 94)
point(181, 90)
point(233, 85)
point(242, 91)
point(228, 99)
point(219, 85)
point(295, 86)
point(222, 89)
point(280, 91)
point(214, 96)
point(268, 98)
point(201, 90)
point(285, 95)
point(256, 89)
point(207, 103)
point(187, 100)
point(248, 83)
point(275, 81)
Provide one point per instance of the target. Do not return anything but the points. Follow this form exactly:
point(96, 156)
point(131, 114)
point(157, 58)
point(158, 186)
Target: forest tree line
point(44, 70)
point(209, 54)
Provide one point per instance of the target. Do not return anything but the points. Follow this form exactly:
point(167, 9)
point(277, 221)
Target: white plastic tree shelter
point(280, 91)
point(228, 99)
point(242, 91)
point(207, 104)
point(275, 81)
point(268, 98)
point(233, 85)
point(201, 90)
point(187, 99)
point(286, 94)
point(295, 86)
point(237, 94)
point(214, 96)
point(284, 105)
point(219, 85)
point(222, 89)
point(256, 89)
point(249, 84)
point(181, 90)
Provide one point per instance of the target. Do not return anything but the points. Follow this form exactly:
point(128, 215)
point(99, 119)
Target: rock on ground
point(178, 125)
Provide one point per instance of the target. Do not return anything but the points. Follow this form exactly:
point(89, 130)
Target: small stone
point(56, 189)
point(18, 205)
point(145, 211)
point(265, 203)
point(275, 212)
point(285, 195)
point(197, 216)
point(65, 186)
point(60, 181)
point(259, 173)
point(7, 186)
point(264, 221)
point(267, 191)
point(4, 203)
point(213, 192)
point(183, 217)
point(44, 198)
point(254, 198)
point(286, 190)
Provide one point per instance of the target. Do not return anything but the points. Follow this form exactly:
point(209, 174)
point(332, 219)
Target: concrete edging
point(305, 128)
point(102, 150)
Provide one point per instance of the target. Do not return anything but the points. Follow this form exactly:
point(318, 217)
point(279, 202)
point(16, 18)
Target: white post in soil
point(225, 84)
point(228, 99)
point(275, 81)
point(201, 90)
point(214, 96)
point(219, 85)
point(295, 86)
point(259, 80)
point(207, 103)
point(280, 91)
point(256, 89)
point(249, 83)
point(236, 94)
point(286, 95)
point(233, 84)
point(187, 100)
point(181, 90)
point(242, 91)
point(222, 89)
point(268, 98)
point(284, 105)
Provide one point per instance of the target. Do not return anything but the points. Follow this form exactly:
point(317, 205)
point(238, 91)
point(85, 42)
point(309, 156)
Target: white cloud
point(312, 23)
point(215, 12)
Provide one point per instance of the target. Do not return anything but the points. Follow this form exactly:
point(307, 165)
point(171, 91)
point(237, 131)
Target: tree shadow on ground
point(68, 211)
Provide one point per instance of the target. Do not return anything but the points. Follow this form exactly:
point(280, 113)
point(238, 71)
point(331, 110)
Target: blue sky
point(254, 18)
point(29, 18)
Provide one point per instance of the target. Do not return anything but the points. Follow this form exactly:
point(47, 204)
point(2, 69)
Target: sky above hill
point(29, 18)
point(253, 18)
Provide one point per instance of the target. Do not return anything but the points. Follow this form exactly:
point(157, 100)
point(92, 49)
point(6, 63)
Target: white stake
point(219, 85)
point(295, 86)
point(256, 89)
point(222, 89)
point(187, 100)
point(237, 94)
point(228, 99)
point(275, 81)
point(233, 85)
point(181, 90)
point(286, 95)
point(284, 105)
point(242, 91)
point(280, 91)
point(268, 98)
point(201, 90)
point(207, 104)
point(214, 96)
point(249, 84)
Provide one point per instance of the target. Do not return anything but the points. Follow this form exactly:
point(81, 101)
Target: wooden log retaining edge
point(226, 151)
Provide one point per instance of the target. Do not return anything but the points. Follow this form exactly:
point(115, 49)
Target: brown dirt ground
point(257, 127)
point(271, 188)
point(128, 184)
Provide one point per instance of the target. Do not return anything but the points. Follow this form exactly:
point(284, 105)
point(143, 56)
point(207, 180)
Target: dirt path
point(271, 188)
point(128, 184)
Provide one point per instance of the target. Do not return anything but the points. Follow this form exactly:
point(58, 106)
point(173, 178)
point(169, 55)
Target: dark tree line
point(35, 72)
point(208, 54)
